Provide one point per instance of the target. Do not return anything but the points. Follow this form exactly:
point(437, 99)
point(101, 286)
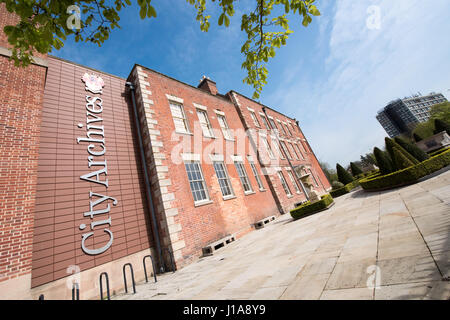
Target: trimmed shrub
point(337, 185)
point(441, 125)
point(344, 190)
point(343, 175)
point(383, 162)
point(439, 151)
point(408, 175)
point(310, 208)
point(355, 169)
point(414, 150)
point(401, 161)
point(390, 144)
point(417, 137)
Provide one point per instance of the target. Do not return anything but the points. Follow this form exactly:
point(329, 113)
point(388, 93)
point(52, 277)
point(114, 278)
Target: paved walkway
point(389, 245)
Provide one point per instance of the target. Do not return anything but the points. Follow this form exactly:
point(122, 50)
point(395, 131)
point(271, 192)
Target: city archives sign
point(99, 204)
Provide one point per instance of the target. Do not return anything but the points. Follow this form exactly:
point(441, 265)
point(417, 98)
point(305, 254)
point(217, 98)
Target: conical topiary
point(390, 144)
point(383, 162)
point(343, 175)
point(412, 149)
point(355, 169)
point(417, 137)
point(401, 161)
point(441, 125)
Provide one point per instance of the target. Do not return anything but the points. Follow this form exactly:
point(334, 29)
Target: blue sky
point(332, 76)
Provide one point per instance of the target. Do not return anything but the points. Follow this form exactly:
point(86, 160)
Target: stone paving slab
point(393, 244)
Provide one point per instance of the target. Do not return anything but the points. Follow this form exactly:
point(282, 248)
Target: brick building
point(85, 189)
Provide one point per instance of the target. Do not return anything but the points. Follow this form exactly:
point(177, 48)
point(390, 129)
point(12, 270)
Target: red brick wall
point(287, 203)
point(62, 197)
point(207, 223)
point(21, 95)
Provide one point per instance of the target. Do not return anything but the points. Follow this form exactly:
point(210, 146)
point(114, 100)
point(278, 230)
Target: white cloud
point(363, 70)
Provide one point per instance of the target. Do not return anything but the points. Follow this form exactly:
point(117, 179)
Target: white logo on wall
point(93, 83)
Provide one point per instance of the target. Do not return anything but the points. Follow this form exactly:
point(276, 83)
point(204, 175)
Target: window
point(281, 126)
point(269, 150)
point(272, 123)
point(243, 176)
point(224, 180)
point(204, 123)
point(179, 117)
point(196, 181)
point(265, 122)
point(284, 184)
point(287, 129)
point(291, 176)
point(285, 149)
point(275, 144)
point(299, 151)
point(293, 151)
point(314, 178)
point(257, 176)
point(224, 126)
point(255, 120)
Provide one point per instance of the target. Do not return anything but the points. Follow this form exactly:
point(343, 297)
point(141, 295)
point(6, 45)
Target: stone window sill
point(202, 203)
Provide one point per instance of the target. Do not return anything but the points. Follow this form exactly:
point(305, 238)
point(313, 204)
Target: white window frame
point(183, 118)
point(298, 149)
point(293, 149)
point(257, 175)
point(226, 179)
point(226, 129)
point(202, 181)
point(209, 133)
point(284, 184)
point(265, 121)
point(268, 148)
point(285, 149)
point(291, 176)
point(255, 119)
point(244, 179)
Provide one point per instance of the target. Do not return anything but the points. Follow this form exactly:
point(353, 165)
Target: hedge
point(436, 152)
point(346, 189)
point(310, 208)
point(408, 175)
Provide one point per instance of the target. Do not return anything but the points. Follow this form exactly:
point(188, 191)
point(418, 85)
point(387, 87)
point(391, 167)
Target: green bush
point(356, 171)
point(414, 150)
point(383, 162)
point(436, 152)
point(390, 144)
point(344, 190)
point(337, 185)
point(408, 175)
point(310, 208)
point(441, 125)
point(401, 161)
point(343, 175)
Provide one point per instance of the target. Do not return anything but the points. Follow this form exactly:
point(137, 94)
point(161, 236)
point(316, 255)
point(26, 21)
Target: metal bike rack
point(171, 259)
point(125, 278)
point(145, 269)
point(107, 286)
point(75, 291)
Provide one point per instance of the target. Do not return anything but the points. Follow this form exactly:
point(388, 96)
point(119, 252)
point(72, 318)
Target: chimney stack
point(208, 85)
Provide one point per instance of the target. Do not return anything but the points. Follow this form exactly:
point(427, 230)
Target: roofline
point(83, 66)
point(218, 95)
point(263, 105)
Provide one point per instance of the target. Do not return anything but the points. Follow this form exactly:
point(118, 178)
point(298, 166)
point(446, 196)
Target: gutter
point(148, 193)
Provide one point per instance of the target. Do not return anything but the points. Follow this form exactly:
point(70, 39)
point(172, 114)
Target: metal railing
point(125, 277)
point(107, 286)
point(75, 291)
